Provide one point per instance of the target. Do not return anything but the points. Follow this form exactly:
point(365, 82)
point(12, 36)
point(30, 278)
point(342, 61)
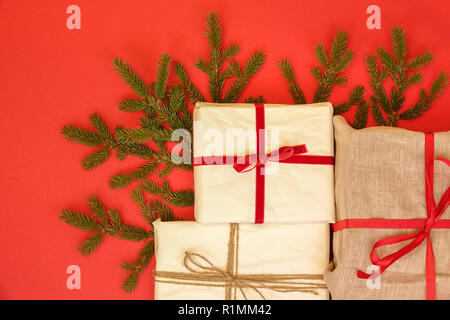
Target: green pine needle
point(95, 159)
point(105, 223)
point(133, 105)
point(401, 72)
point(328, 74)
point(124, 179)
point(361, 115)
point(82, 136)
point(189, 89)
point(91, 243)
point(287, 71)
point(100, 126)
point(131, 78)
point(80, 220)
point(181, 198)
point(138, 266)
point(162, 77)
point(217, 72)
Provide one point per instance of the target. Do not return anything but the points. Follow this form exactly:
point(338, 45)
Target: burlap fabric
point(380, 175)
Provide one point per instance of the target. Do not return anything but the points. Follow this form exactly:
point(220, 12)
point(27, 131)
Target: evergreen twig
point(329, 74)
point(216, 70)
point(387, 109)
point(103, 222)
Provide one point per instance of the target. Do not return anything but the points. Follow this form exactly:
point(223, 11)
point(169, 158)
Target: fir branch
point(131, 78)
point(81, 136)
point(100, 126)
point(144, 206)
point(377, 77)
point(251, 67)
point(420, 61)
point(230, 52)
point(425, 100)
point(136, 149)
point(321, 55)
point(361, 115)
point(355, 97)
point(376, 112)
point(98, 209)
point(162, 211)
point(214, 31)
point(80, 220)
point(189, 89)
point(180, 198)
point(124, 179)
point(328, 74)
point(339, 59)
point(133, 105)
point(257, 99)
point(137, 267)
point(400, 71)
point(91, 243)
point(95, 159)
point(399, 44)
point(216, 71)
point(338, 47)
point(287, 71)
point(114, 217)
point(105, 223)
point(162, 77)
point(137, 135)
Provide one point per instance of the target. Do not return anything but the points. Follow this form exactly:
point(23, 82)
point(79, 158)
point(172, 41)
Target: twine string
point(203, 272)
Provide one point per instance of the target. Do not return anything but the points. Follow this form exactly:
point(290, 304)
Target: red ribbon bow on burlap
point(258, 161)
point(433, 221)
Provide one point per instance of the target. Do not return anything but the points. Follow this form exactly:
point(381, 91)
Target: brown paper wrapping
point(267, 251)
point(295, 193)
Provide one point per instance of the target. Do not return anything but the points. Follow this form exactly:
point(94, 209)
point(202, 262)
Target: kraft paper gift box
point(292, 192)
point(391, 183)
point(230, 261)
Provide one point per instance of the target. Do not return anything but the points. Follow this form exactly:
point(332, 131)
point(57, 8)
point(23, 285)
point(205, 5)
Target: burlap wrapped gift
point(222, 261)
point(380, 174)
point(294, 192)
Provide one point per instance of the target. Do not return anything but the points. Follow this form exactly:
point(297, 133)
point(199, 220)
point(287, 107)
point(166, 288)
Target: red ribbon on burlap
point(433, 221)
point(242, 164)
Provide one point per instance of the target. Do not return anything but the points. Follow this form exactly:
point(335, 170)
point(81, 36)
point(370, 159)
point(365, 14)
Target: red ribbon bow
point(284, 155)
point(244, 163)
point(433, 221)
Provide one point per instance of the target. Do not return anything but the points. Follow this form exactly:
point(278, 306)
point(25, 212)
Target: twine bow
point(203, 272)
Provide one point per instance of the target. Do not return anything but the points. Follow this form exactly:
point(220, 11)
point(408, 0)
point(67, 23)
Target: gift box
point(234, 262)
point(263, 163)
point(392, 236)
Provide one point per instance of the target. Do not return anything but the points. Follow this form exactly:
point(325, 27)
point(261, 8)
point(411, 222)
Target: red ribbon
point(433, 221)
point(242, 164)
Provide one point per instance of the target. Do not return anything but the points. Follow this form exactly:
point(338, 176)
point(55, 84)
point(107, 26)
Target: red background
point(51, 76)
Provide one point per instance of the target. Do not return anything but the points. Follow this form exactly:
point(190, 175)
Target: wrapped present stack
point(264, 199)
